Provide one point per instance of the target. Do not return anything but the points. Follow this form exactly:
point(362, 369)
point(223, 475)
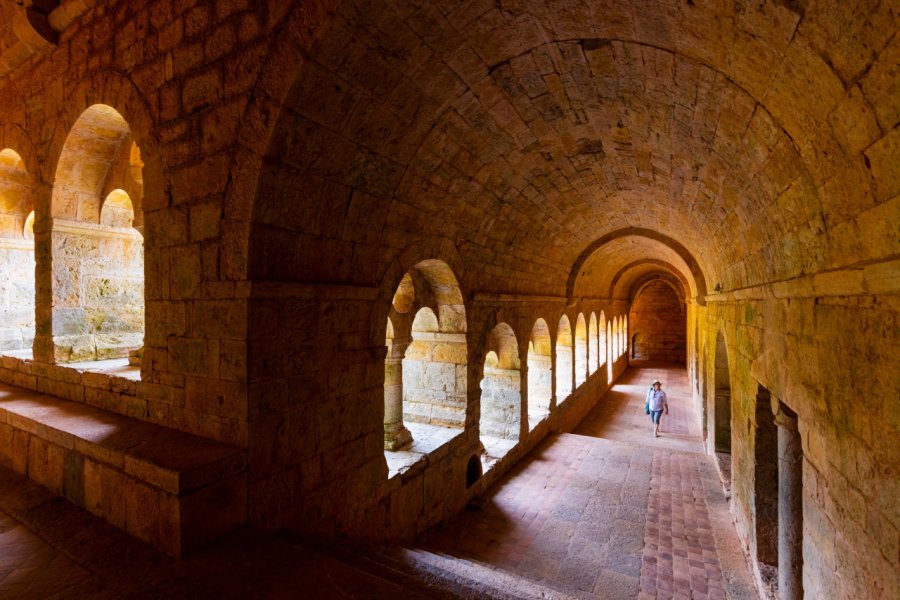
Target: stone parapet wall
point(98, 277)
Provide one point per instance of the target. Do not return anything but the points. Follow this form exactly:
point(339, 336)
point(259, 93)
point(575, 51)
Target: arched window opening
point(501, 399)
point(625, 334)
point(635, 348)
point(609, 351)
point(603, 339)
point(117, 210)
point(540, 374)
point(17, 289)
point(593, 345)
point(563, 360)
point(425, 365)
point(97, 247)
point(581, 350)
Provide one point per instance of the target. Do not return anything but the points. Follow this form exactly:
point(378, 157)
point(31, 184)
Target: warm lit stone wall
point(434, 379)
point(98, 277)
point(831, 359)
point(299, 157)
point(657, 325)
point(16, 294)
point(501, 404)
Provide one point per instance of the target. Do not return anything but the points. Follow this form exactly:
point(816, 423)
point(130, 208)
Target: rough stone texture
point(298, 158)
point(16, 295)
point(658, 324)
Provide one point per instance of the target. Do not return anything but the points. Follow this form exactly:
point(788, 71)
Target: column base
point(394, 440)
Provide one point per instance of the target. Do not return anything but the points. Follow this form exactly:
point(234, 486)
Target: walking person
point(656, 403)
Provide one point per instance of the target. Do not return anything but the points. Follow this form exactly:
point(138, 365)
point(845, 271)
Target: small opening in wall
point(473, 471)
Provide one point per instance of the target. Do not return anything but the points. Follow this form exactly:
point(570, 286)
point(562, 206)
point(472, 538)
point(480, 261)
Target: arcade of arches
point(338, 266)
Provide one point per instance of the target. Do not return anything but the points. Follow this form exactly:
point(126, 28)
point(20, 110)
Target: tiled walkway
point(611, 511)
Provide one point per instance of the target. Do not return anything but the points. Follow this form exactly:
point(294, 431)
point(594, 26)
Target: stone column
point(396, 435)
point(790, 507)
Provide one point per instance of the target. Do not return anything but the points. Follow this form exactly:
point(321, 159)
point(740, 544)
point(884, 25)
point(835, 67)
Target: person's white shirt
point(656, 399)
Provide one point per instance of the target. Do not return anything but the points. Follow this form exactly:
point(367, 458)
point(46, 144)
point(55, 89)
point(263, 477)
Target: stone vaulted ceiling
point(526, 130)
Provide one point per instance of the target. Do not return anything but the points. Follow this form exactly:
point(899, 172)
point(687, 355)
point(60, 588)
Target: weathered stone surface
point(287, 165)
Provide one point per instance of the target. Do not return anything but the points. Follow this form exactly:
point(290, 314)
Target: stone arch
point(117, 210)
point(540, 373)
point(581, 350)
point(501, 404)
point(98, 290)
point(426, 365)
point(593, 344)
point(437, 249)
point(112, 90)
point(17, 283)
point(665, 267)
point(14, 138)
point(684, 253)
point(296, 30)
point(564, 360)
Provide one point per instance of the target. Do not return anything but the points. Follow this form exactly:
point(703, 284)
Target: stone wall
point(501, 405)
point(434, 379)
point(98, 275)
point(658, 324)
point(298, 157)
point(16, 294)
point(802, 351)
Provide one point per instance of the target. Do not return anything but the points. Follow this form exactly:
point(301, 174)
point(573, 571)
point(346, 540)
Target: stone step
point(442, 576)
point(174, 490)
point(495, 581)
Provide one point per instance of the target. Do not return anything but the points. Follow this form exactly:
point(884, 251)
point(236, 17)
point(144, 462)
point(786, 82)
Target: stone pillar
point(396, 435)
point(790, 507)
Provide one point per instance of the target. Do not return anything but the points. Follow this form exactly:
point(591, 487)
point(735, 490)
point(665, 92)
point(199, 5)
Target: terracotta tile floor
point(29, 567)
point(611, 511)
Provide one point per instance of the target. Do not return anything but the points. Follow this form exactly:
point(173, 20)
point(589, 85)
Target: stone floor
point(606, 512)
point(612, 511)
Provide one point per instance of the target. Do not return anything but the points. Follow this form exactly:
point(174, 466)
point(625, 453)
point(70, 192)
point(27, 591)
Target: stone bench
point(174, 490)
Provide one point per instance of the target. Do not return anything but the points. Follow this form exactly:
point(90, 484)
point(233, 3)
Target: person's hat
point(657, 381)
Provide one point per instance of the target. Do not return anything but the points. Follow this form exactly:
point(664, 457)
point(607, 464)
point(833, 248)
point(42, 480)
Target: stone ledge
point(174, 490)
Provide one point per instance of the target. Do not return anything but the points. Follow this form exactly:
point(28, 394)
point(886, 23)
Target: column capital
point(786, 421)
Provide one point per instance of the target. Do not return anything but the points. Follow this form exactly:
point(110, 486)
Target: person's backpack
point(647, 403)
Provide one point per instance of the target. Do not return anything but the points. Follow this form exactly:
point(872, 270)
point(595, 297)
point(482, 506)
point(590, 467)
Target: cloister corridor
point(605, 512)
point(609, 511)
